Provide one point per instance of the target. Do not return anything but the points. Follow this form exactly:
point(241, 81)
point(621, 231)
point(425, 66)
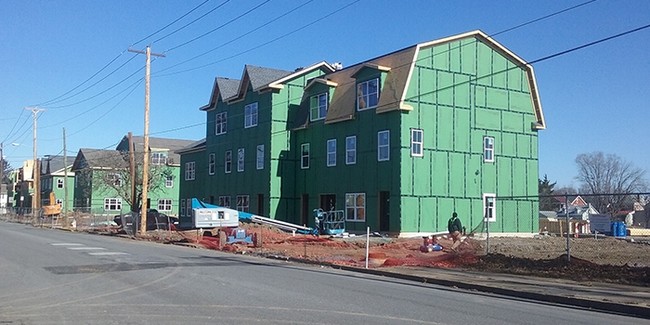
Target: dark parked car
point(155, 220)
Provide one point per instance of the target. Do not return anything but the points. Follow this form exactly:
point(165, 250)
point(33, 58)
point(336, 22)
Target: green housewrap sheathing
point(457, 91)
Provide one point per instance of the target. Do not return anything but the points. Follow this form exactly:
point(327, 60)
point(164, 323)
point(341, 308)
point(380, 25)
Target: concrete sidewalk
point(623, 299)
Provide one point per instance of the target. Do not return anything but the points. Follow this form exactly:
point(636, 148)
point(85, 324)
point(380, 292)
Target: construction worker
point(455, 227)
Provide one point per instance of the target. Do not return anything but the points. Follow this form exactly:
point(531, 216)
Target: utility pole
point(65, 184)
point(2, 166)
point(36, 173)
point(145, 163)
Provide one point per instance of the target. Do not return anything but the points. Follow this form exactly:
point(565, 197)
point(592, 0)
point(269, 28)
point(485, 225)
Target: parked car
point(155, 220)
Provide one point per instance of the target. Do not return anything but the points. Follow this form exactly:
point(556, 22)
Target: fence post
point(568, 227)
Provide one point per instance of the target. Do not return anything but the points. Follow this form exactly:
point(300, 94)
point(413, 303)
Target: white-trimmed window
point(417, 144)
point(242, 203)
point(488, 149)
point(112, 204)
point(383, 145)
point(228, 162)
point(115, 179)
point(355, 206)
point(250, 115)
point(259, 159)
point(304, 155)
point(351, 150)
point(318, 107)
point(190, 171)
point(489, 207)
point(59, 202)
point(59, 183)
point(331, 152)
point(221, 123)
point(169, 181)
point(158, 158)
point(212, 164)
point(182, 205)
point(240, 159)
point(367, 94)
point(164, 204)
point(224, 201)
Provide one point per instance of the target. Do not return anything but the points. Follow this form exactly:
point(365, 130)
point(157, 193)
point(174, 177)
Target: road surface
point(57, 277)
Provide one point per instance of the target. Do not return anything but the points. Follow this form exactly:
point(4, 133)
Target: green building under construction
point(397, 142)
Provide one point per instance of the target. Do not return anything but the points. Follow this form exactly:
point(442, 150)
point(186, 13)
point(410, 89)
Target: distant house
point(398, 142)
point(94, 168)
point(53, 180)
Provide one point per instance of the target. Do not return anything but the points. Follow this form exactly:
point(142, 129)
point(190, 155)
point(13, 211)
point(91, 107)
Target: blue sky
point(594, 99)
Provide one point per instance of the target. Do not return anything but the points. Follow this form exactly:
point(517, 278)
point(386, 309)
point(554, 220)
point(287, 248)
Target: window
point(221, 123)
point(416, 143)
point(318, 107)
point(164, 204)
point(189, 207)
point(368, 94)
point(59, 183)
point(158, 158)
point(355, 206)
point(228, 162)
point(489, 207)
point(115, 179)
point(331, 152)
point(112, 204)
point(182, 205)
point(211, 164)
point(242, 203)
point(224, 201)
point(240, 159)
point(59, 202)
point(383, 145)
point(250, 115)
point(351, 150)
point(488, 149)
point(169, 181)
point(189, 171)
point(304, 155)
point(260, 157)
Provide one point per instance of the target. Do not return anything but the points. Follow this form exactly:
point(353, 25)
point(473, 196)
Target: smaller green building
point(57, 178)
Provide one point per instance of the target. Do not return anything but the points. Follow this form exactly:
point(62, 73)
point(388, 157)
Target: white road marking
point(85, 248)
point(107, 253)
point(66, 244)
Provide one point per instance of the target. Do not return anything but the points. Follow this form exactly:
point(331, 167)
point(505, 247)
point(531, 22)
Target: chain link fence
point(606, 229)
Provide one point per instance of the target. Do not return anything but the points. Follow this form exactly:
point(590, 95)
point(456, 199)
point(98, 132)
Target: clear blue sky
point(594, 99)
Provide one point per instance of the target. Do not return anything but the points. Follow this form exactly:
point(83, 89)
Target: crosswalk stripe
point(107, 253)
point(66, 244)
point(85, 248)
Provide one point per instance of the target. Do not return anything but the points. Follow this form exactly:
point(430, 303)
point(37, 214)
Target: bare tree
point(608, 174)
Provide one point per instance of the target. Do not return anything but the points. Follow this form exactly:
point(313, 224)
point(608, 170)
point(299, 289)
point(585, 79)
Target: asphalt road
point(57, 277)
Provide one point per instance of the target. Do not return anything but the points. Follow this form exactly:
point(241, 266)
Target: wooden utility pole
point(132, 170)
point(65, 184)
point(37, 172)
point(145, 162)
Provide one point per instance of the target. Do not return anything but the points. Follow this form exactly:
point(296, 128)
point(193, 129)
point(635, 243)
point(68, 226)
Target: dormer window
point(318, 107)
point(367, 94)
point(158, 158)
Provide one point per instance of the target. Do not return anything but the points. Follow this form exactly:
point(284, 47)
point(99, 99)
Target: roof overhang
point(279, 84)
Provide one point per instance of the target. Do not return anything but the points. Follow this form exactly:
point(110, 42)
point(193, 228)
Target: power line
point(219, 27)
point(173, 22)
point(193, 21)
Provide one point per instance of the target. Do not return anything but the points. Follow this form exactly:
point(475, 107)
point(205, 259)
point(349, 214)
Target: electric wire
point(217, 28)
point(192, 22)
point(173, 22)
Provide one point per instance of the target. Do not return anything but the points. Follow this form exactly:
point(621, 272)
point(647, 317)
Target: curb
point(596, 305)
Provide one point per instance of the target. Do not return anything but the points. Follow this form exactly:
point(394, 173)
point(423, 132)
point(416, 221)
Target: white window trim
point(355, 218)
point(360, 95)
point(416, 144)
point(493, 217)
point(349, 150)
point(60, 183)
point(260, 157)
point(190, 171)
point(241, 159)
point(487, 150)
point(380, 146)
point(303, 156)
point(165, 205)
point(221, 123)
point(212, 164)
point(331, 155)
point(318, 107)
point(251, 115)
point(227, 162)
point(169, 181)
point(117, 202)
